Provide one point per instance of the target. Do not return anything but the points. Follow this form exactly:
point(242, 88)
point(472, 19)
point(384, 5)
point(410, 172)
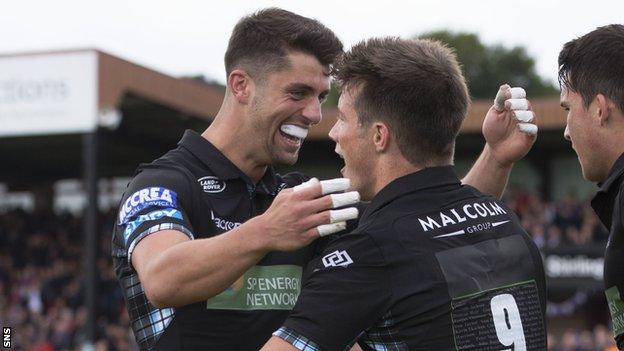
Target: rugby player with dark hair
point(591, 75)
point(433, 264)
point(210, 243)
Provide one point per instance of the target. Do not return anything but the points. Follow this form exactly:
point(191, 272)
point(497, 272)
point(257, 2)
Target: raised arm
point(509, 135)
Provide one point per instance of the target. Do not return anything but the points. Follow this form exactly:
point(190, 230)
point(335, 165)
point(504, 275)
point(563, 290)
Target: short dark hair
point(416, 87)
point(260, 42)
point(594, 64)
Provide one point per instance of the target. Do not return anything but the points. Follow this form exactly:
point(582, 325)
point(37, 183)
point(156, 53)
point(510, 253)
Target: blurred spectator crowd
point(568, 222)
point(598, 339)
point(42, 284)
point(42, 280)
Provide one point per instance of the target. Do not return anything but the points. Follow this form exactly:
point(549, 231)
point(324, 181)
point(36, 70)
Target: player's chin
point(286, 158)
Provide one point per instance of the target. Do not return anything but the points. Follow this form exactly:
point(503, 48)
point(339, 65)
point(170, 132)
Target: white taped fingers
point(327, 186)
point(335, 185)
point(506, 93)
point(517, 93)
point(517, 104)
point(331, 228)
point(339, 200)
point(501, 96)
point(338, 221)
point(528, 128)
point(343, 215)
point(524, 116)
point(514, 100)
point(307, 184)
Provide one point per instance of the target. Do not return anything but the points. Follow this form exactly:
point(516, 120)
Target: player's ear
point(603, 108)
point(240, 86)
point(381, 136)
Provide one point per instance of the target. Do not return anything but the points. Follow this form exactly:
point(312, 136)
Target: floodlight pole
point(90, 225)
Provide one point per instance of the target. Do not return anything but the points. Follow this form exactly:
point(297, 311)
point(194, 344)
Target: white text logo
point(223, 224)
point(153, 196)
point(211, 184)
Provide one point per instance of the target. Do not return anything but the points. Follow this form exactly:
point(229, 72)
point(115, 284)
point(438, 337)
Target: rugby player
point(210, 244)
point(591, 75)
point(433, 264)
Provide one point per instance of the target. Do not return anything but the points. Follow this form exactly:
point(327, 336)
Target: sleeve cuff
point(154, 229)
point(298, 341)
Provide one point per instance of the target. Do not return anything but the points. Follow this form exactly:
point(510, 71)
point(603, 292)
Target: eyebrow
point(299, 86)
point(564, 104)
point(304, 87)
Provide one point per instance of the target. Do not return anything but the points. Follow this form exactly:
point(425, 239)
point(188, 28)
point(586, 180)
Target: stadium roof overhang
point(154, 108)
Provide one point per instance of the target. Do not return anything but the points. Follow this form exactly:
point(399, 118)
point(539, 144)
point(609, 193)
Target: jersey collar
point(424, 179)
point(223, 168)
point(603, 198)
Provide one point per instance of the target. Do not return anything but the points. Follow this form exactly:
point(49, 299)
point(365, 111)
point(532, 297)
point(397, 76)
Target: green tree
point(487, 67)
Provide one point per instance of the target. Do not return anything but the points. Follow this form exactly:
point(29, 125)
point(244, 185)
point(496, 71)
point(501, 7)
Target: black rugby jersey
point(196, 190)
point(433, 265)
point(608, 205)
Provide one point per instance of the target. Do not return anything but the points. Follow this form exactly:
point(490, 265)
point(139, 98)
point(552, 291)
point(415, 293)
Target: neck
point(614, 150)
point(390, 168)
point(226, 133)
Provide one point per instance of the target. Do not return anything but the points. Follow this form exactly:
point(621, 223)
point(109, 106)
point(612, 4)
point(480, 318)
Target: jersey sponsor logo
point(223, 224)
point(475, 228)
point(152, 216)
point(337, 258)
point(211, 184)
point(152, 196)
point(261, 288)
point(460, 214)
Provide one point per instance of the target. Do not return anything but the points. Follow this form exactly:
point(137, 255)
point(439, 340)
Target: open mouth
point(338, 151)
point(293, 133)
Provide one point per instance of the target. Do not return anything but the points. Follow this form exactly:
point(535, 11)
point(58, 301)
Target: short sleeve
point(155, 200)
point(347, 291)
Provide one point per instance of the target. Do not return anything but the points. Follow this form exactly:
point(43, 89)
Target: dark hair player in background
point(591, 74)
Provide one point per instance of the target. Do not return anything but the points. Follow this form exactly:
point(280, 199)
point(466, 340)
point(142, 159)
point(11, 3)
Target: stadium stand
point(41, 277)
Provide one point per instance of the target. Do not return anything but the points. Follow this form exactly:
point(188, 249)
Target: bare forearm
point(196, 270)
point(488, 175)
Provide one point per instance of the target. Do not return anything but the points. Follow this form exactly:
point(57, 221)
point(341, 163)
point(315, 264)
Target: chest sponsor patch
point(144, 198)
point(152, 216)
point(223, 224)
point(211, 184)
point(261, 288)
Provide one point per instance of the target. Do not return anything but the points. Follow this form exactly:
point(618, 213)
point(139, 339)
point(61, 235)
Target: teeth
point(294, 131)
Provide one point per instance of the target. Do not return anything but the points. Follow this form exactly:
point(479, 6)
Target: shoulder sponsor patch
point(337, 258)
point(152, 196)
point(152, 216)
point(211, 184)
